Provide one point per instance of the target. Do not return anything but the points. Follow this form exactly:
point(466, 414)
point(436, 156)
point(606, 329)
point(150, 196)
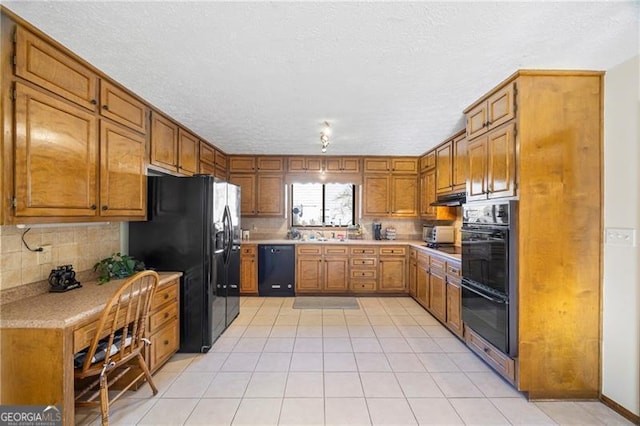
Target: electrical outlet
point(44, 256)
point(620, 237)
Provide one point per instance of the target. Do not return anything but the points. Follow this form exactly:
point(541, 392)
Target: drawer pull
point(166, 314)
point(166, 342)
point(166, 296)
point(486, 349)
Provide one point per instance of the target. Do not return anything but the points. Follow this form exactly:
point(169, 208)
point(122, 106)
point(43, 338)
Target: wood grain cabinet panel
point(123, 183)
point(187, 153)
point(247, 184)
point(242, 164)
point(428, 194)
point(164, 142)
point(270, 195)
point(56, 157)
point(40, 63)
point(501, 167)
point(121, 107)
point(304, 164)
point(404, 196)
point(248, 269)
point(342, 165)
point(270, 164)
point(336, 273)
point(492, 112)
point(376, 195)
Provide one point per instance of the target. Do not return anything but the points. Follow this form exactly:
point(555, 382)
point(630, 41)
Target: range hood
point(455, 199)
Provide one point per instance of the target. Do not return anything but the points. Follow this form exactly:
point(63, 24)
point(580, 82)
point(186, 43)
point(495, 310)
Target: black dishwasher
point(276, 269)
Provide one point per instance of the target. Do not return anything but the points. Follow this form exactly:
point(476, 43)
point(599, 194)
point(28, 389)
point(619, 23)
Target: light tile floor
point(388, 363)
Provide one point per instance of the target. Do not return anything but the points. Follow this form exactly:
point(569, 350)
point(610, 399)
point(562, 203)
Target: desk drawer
point(159, 318)
point(164, 294)
point(164, 344)
point(83, 335)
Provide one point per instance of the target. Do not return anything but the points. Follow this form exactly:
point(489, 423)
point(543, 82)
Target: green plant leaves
point(117, 266)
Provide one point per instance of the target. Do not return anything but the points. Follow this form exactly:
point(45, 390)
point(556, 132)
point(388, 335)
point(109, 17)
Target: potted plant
point(117, 266)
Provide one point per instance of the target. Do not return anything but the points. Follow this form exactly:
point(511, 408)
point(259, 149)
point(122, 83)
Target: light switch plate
point(620, 237)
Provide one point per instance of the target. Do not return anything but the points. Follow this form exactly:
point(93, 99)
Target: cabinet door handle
point(93, 207)
point(105, 207)
point(166, 342)
point(166, 296)
point(94, 102)
point(105, 107)
point(166, 314)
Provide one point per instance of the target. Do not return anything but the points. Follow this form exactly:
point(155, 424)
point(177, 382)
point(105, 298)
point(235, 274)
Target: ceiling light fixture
point(324, 136)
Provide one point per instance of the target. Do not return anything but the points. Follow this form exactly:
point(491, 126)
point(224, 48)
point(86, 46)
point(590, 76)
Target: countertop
point(412, 243)
point(60, 310)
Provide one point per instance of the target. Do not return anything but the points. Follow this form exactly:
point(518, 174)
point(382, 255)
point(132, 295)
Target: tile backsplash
point(80, 246)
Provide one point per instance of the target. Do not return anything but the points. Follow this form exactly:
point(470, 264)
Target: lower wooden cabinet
point(249, 269)
point(437, 289)
point(163, 325)
point(322, 269)
point(393, 269)
point(413, 270)
point(492, 356)
point(454, 298)
point(422, 280)
point(363, 269)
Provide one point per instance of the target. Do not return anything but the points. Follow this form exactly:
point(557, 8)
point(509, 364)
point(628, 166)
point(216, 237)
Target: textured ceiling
point(391, 78)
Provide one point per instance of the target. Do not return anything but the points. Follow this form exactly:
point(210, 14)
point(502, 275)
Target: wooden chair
point(118, 343)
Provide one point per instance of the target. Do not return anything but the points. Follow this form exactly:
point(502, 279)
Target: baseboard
point(620, 410)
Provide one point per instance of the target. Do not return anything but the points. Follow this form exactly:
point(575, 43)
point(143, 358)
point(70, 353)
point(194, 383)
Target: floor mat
point(310, 302)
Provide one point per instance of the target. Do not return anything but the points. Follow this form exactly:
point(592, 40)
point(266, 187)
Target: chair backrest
point(121, 328)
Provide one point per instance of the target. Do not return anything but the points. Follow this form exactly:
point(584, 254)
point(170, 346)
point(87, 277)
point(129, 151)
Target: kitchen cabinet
point(390, 195)
point(269, 164)
point(428, 194)
point(221, 165)
point(188, 146)
point(496, 109)
point(173, 148)
point(492, 165)
point(322, 269)
point(270, 195)
point(163, 326)
point(437, 289)
point(164, 142)
point(47, 66)
point(422, 279)
point(242, 164)
point(248, 269)
point(393, 269)
point(123, 182)
point(428, 161)
point(551, 147)
point(304, 164)
point(247, 184)
point(121, 107)
point(342, 164)
point(451, 165)
point(363, 268)
point(405, 165)
point(413, 271)
point(84, 173)
point(207, 159)
point(454, 298)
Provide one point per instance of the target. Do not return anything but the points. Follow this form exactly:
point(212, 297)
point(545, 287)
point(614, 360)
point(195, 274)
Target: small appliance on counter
point(390, 233)
point(62, 279)
point(377, 231)
point(438, 234)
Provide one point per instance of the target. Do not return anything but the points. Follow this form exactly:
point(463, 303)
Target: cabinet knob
point(166, 342)
point(105, 107)
point(166, 296)
point(94, 102)
point(105, 207)
point(93, 207)
point(166, 314)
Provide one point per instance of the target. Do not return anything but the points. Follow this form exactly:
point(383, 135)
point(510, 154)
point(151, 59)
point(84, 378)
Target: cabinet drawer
point(309, 250)
point(335, 251)
point(161, 317)
point(123, 108)
point(164, 344)
point(363, 273)
point(496, 359)
point(393, 251)
point(363, 285)
point(423, 258)
point(454, 270)
point(164, 294)
point(437, 263)
point(370, 251)
point(364, 262)
point(82, 336)
point(249, 250)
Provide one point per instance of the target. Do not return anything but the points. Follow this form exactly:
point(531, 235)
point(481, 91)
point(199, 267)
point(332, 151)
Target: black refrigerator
point(193, 226)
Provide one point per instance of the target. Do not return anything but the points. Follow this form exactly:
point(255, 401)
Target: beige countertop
point(412, 243)
point(60, 310)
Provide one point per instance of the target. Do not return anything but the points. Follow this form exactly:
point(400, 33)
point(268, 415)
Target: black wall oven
point(488, 273)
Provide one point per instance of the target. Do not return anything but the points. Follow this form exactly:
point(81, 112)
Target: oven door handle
point(493, 299)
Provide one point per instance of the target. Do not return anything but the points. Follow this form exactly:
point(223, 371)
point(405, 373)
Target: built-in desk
point(40, 334)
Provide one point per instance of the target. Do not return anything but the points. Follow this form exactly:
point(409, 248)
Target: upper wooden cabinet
point(390, 165)
point(212, 161)
point(451, 165)
point(492, 165)
point(164, 142)
point(188, 146)
point(269, 164)
point(123, 183)
point(428, 161)
point(247, 184)
point(242, 164)
point(304, 164)
point(390, 196)
point(492, 112)
point(270, 195)
point(40, 63)
point(428, 194)
point(121, 107)
point(221, 165)
point(55, 166)
point(342, 164)
point(207, 154)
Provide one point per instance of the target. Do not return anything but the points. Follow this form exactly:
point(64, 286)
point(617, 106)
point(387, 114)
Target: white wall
point(621, 301)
